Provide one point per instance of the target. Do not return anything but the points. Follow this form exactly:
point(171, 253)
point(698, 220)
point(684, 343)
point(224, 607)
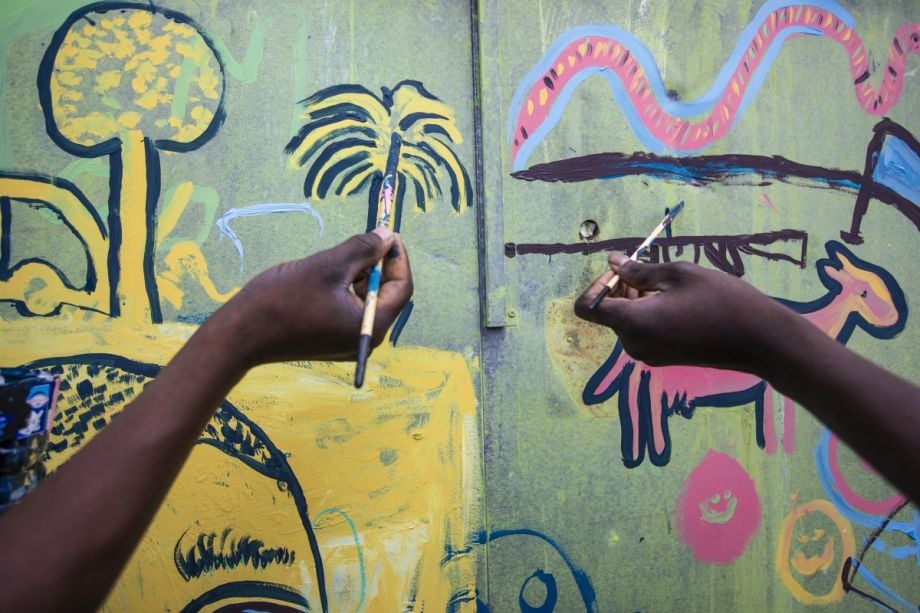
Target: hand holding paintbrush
point(611, 285)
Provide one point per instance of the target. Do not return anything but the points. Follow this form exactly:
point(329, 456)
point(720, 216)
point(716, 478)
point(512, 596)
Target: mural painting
point(154, 156)
point(302, 493)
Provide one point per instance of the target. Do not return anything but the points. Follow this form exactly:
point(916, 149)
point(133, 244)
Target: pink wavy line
point(683, 134)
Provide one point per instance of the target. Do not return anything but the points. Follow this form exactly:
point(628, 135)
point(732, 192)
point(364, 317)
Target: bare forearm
point(113, 486)
point(873, 411)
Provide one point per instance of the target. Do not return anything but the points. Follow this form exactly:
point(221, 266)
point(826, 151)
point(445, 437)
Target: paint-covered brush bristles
point(609, 287)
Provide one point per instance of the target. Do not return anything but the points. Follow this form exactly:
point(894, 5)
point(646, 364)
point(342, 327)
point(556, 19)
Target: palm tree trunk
point(388, 183)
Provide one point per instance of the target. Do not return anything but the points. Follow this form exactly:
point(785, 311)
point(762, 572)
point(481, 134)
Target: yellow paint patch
point(140, 20)
point(129, 119)
point(576, 347)
point(560, 68)
point(544, 95)
point(107, 80)
point(529, 106)
point(396, 460)
point(69, 78)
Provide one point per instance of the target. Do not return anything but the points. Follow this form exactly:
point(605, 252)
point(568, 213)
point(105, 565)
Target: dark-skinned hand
point(681, 313)
point(311, 309)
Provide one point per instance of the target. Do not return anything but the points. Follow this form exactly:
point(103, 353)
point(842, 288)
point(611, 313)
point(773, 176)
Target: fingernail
point(384, 233)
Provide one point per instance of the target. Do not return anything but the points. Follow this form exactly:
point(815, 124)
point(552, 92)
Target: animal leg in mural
point(892, 162)
point(94, 387)
point(859, 294)
point(124, 81)
point(661, 123)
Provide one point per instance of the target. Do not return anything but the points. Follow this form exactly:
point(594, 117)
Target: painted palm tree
point(353, 139)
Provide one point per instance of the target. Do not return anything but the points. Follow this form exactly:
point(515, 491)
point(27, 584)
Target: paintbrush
point(373, 286)
point(609, 287)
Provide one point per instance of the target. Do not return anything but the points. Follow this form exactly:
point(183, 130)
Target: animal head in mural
point(356, 138)
point(117, 68)
point(869, 294)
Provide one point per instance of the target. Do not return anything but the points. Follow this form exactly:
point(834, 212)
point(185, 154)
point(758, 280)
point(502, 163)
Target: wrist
point(788, 347)
point(227, 340)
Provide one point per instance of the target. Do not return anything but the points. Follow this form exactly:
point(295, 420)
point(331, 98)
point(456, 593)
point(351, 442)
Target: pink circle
point(718, 510)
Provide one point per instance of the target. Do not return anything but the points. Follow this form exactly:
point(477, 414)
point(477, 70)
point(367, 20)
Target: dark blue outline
point(116, 171)
point(275, 465)
point(247, 589)
point(582, 580)
point(756, 393)
point(552, 593)
point(152, 166)
point(401, 320)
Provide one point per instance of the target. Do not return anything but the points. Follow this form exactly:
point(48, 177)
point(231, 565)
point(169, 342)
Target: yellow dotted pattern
point(133, 70)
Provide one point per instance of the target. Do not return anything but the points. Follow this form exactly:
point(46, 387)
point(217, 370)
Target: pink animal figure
point(859, 294)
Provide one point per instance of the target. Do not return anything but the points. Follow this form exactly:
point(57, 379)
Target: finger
point(616, 260)
point(397, 285)
point(361, 251)
point(583, 303)
point(645, 277)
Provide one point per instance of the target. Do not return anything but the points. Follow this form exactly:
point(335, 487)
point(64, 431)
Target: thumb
point(363, 251)
point(642, 276)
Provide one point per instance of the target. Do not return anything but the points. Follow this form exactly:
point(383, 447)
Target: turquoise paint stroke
point(300, 74)
point(643, 56)
point(208, 198)
point(181, 89)
point(898, 167)
point(262, 209)
point(357, 539)
point(247, 70)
